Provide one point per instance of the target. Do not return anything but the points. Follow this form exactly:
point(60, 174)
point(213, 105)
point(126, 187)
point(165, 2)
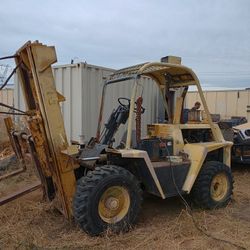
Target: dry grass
point(5, 150)
point(29, 223)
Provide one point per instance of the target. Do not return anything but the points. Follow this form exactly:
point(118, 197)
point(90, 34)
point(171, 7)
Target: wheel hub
point(219, 187)
point(114, 204)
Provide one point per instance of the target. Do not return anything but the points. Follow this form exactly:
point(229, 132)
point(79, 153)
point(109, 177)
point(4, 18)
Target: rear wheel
point(213, 187)
point(107, 198)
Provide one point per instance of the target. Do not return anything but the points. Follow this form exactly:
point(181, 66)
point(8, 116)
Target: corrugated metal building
point(227, 103)
point(82, 84)
point(6, 97)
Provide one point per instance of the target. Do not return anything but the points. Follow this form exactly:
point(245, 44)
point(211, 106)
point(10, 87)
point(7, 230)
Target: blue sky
point(212, 37)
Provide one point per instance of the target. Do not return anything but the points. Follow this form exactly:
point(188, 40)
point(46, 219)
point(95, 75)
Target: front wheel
point(107, 198)
point(213, 187)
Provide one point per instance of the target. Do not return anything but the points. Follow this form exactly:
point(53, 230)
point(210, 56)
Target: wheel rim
point(114, 204)
point(219, 187)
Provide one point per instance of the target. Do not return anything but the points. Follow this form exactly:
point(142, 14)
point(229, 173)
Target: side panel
point(197, 154)
point(172, 178)
point(139, 168)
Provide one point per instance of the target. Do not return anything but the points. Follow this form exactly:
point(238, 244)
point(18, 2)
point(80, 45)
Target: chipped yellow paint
point(46, 124)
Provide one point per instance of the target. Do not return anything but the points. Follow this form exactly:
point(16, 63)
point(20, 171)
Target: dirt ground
point(30, 223)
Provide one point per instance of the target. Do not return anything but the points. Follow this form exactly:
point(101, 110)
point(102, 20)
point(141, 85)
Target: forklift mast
point(50, 147)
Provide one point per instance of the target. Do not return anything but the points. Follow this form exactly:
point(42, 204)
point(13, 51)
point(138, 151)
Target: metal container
point(6, 97)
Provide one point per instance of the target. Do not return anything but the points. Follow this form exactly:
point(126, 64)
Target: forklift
point(101, 185)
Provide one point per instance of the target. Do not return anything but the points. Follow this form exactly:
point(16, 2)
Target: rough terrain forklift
point(100, 185)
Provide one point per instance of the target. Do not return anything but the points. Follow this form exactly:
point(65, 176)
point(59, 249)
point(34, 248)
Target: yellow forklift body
point(55, 159)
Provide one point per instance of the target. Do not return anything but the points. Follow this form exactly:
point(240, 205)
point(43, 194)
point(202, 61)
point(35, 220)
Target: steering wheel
point(126, 106)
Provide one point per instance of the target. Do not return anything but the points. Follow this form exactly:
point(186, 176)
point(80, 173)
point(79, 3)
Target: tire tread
point(86, 188)
point(201, 189)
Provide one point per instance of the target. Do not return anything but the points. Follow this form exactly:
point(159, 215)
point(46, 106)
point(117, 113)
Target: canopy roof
point(174, 75)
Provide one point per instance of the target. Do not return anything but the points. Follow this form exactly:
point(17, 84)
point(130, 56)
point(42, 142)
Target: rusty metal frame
point(16, 145)
point(17, 139)
point(23, 191)
point(13, 173)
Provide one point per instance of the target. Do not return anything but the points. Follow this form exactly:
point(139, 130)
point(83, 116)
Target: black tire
point(89, 192)
point(205, 184)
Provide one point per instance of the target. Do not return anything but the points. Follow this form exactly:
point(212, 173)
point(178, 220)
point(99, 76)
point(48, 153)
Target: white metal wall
point(226, 103)
point(82, 84)
point(6, 97)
